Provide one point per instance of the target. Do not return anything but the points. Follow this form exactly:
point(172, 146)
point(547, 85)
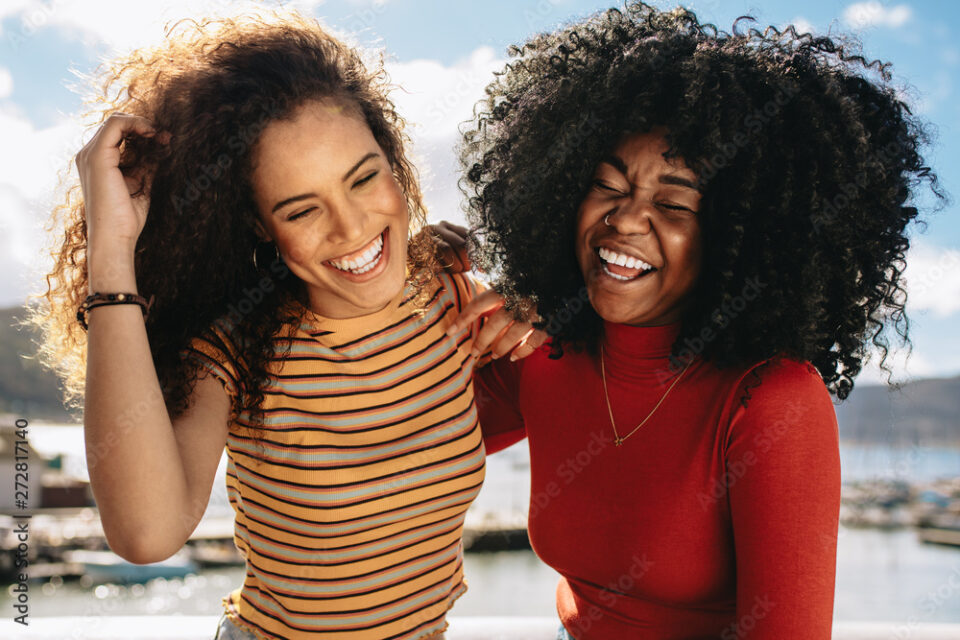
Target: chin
point(614, 310)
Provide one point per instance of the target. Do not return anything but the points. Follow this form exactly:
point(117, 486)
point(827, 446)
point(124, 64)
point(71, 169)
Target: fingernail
point(513, 358)
point(494, 356)
point(474, 353)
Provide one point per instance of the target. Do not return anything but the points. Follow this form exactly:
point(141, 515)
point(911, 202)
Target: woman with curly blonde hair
point(236, 271)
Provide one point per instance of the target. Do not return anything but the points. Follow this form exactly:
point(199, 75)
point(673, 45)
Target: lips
point(622, 267)
point(362, 260)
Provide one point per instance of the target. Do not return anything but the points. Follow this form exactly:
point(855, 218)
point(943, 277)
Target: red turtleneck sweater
point(714, 520)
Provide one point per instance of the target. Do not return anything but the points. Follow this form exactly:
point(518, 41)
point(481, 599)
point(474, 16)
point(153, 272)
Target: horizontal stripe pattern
point(349, 511)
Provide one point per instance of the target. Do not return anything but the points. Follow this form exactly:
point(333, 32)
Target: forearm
point(136, 472)
point(496, 395)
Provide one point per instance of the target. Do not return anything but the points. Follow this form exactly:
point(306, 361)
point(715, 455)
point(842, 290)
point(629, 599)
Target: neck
point(639, 352)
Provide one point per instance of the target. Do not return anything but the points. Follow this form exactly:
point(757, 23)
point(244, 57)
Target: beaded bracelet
point(95, 300)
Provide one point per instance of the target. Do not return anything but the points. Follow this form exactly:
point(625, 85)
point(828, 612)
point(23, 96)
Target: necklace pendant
point(618, 442)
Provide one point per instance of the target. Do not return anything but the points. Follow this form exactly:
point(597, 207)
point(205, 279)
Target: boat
point(106, 566)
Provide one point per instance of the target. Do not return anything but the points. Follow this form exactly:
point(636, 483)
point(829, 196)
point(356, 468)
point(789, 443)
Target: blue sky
point(442, 53)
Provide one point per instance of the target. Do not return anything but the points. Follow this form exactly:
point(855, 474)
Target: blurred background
point(899, 545)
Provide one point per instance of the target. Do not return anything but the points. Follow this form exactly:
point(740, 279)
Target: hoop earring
point(276, 250)
point(606, 220)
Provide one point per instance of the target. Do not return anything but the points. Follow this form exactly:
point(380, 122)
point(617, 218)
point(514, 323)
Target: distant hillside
point(26, 390)
point(926, 411)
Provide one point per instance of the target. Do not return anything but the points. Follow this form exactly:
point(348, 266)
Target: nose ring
point(606, 220)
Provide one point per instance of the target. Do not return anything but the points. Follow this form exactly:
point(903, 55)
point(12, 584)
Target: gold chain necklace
point(618, 441)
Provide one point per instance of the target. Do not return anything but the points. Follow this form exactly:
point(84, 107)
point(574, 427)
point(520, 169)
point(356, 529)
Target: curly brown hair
point(215, 85)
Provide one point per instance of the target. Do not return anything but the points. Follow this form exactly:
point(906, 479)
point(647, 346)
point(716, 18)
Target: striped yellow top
point(350, 524)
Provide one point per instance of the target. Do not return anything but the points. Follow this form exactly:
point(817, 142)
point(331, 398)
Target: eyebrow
point(677, 180)
point(304, 196)
point(617, 163)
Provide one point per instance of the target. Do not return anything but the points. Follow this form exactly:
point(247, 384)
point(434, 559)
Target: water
point(881, 575)
point(912, 464)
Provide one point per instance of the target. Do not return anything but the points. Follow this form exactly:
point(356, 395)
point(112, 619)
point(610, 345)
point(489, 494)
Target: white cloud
point(32, 157)
point(875, 14)
point(435, 99)
point(14, 7)
point(29, 168)
point(21, 226)
point(933, 279)
point(933, 291)
point(6, 83)
point(106, 22)
point(904, 368)
point(802, 25)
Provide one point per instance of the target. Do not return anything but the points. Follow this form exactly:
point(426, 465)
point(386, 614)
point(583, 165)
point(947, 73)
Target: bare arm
point(151, 477)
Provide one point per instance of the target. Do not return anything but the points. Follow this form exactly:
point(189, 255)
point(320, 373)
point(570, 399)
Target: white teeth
point(623, 260)
point(367, 260)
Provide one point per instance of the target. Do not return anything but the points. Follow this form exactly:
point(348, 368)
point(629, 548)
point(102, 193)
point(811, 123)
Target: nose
point(348, 223)
point(634, 216)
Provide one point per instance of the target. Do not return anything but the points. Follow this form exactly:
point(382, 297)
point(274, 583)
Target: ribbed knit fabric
point(351, 522)
point(716, 519)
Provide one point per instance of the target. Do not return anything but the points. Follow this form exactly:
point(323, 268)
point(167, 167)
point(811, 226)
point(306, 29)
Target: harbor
point(897, 554)
point(66, 538)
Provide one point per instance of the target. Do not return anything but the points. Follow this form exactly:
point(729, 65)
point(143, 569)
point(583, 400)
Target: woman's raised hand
point(500, 330)
point(452, 242)
point(114, 205)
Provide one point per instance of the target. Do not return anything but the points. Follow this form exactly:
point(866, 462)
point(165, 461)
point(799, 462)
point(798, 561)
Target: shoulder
point(779, 379)
point(462, 286)
point(215, 351)
point(780, 399)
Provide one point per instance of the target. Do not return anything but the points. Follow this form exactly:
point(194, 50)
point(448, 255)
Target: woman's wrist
point(111, 271)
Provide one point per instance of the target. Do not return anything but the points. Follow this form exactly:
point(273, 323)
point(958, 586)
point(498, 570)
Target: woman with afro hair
point(241, 247)
point(712, 226)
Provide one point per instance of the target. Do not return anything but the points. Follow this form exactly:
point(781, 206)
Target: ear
point(261, 231)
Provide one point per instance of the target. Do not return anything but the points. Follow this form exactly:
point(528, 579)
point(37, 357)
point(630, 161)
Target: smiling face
point(328, 198)
point(641, 268)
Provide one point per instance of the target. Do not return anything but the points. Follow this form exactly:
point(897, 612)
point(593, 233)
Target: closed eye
point(603, 186)
point(301, 213)
point(674, 207)
point(365, 179)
